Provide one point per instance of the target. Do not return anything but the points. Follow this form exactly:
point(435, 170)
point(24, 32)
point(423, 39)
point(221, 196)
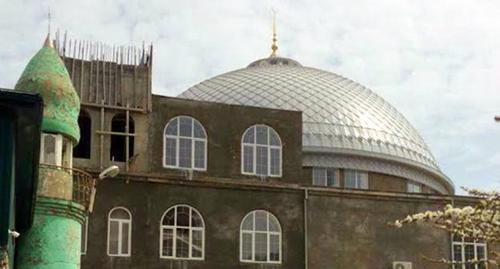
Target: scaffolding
point(109, 78)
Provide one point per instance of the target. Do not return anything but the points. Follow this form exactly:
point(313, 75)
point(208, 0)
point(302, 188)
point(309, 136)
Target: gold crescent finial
point(274, 46)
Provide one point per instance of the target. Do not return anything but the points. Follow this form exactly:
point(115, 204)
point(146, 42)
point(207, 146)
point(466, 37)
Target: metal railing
point(83, 185)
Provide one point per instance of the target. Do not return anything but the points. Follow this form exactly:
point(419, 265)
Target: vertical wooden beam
point(134, 89)
point(101, 139)
point(97, 97)
point(73, 62)
point(150, 86)
point(127, 137)
point(90, 90)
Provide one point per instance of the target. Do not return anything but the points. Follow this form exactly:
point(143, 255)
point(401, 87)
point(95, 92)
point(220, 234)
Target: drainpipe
point(306, 240)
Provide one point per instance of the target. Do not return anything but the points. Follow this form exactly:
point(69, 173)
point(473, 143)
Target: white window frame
point(463, 243)
point(252, 232)
point(413, 187)
point(62, 159)
point(120, 235)
point(85, 230)
point(177, 148)
point(325, 171)
point(358, 179)
point(57, 149)
point(254, 148)
point(174, 234)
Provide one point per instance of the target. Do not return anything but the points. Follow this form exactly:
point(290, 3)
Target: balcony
point(66, 183)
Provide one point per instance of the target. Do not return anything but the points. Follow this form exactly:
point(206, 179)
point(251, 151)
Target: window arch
point(261, 152)
point(185, 144)
point(82, 150)
point(119, 139)
point(119, 232)
point(260, 238)
point(182, 234)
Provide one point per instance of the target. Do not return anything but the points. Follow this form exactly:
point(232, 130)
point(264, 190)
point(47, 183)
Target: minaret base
point(54, 240)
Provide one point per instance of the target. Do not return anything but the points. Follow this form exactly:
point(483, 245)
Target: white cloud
point(436, 61)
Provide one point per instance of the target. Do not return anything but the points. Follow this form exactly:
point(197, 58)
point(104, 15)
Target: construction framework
point(109, 79)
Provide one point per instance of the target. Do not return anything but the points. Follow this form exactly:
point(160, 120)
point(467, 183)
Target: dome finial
point(274, 46)
point(48, 42)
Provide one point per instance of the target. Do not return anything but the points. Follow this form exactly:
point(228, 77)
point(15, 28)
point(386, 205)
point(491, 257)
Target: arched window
point(261, 152)
point(260, 238)
point(119, 232)
point(182, 234)
point(82, 150)
point(185, 144)
point(119, 139)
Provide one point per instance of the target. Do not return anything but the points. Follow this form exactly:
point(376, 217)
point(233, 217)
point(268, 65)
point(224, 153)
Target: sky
point(437, 62)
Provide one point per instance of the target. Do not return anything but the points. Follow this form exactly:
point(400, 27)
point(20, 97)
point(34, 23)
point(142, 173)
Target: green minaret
point(54, 239)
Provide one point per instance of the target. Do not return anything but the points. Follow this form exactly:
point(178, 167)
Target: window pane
point(262, 135)
point(125, 228)
point(249, 136)
point(274, 225)
point(248, 223)
point(363, 180)
point(196, 220)
point(199, 154)
point(197, 246)
point(168, 219)
point(198, 130)
point(274, 138)
point(183, 216)
point(246, 246)
point(260, 247)
point(113, 237)
point(319, 176)
point(469, 255)
point(168, 242)
point(186, 126)
point(274, 244)
point(170, 151)
point(49, 150)
point(275, 161)
point(185, 152)
point(350, 179)
point(248, 159)
point(261, 221)
point(332, 178)
point(261, 165)
point(481, 255)
point(182, 241)
point(172, 127)
point(119, 214)
point(457, 253)
point(414, 187)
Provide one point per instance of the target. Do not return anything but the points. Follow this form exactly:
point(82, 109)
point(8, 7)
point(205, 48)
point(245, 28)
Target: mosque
point(274, 165)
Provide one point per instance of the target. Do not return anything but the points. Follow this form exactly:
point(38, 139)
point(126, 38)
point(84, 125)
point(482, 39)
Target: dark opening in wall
point(82, 150)
point(118, 148)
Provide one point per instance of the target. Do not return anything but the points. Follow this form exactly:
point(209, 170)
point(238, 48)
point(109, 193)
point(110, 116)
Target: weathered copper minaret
point(54, 239)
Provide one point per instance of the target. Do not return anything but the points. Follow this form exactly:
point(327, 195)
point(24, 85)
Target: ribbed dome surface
point(338, 113)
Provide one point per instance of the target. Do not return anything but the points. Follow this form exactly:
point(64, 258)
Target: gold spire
point(274, 46)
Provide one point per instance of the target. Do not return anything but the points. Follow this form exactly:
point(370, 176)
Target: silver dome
point(339, 115)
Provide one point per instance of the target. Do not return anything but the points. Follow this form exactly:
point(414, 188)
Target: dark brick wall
point(222, 209)
point(225, 125)
point(346, 229)
point(353, 231)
